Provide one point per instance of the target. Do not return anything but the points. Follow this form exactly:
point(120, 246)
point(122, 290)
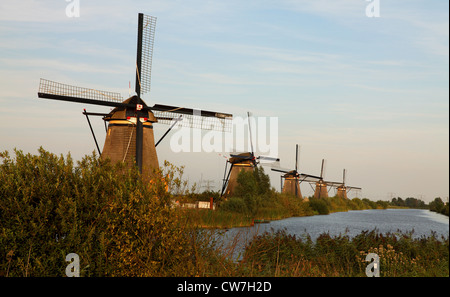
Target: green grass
point(205, 218)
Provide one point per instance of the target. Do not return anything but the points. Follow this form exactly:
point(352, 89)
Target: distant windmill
point(321, 190)
point(292, 178)
point(342, 189)
point(238, 162)
point(130, 135)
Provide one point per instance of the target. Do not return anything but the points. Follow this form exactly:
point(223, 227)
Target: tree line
point(437, 205)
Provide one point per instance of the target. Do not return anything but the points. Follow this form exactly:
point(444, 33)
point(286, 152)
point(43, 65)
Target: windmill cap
point(242, 157)
point(129, 112)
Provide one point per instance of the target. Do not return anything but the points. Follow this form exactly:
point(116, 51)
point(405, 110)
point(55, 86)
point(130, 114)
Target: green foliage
point(206, 195)
point(253, 187)
point(400, 255)
point(444, 211)
point(247, 189)
point(262, 181)
point(370, 203)
point(408, 202)
point(357, 204)
point(319, 205)
point(116, 224)
point(253, 197)
point(234, 204)
point(50, 207)
point(382, 204)
point(437, 205)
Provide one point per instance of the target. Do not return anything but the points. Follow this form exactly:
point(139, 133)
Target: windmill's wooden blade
point(146, 36)
point(330, 183)
point(57, 91)
point(281, 170)
point(189, 111)
point(250, 132)
point(193, 118)
point(353, 188)
point(100, 114)
point(308, 176)
point(268, 159)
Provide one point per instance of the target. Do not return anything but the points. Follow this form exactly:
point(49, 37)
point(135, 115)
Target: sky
point(368, 94)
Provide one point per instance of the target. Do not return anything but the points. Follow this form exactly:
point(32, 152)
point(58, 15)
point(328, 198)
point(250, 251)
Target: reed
point(281, 254)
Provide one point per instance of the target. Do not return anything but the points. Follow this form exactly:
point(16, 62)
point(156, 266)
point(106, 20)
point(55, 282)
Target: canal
point(419, 221)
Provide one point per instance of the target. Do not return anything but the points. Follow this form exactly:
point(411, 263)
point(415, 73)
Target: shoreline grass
point(288, 207)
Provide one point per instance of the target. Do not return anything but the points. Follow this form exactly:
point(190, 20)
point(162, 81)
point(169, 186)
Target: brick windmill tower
point(341, 189)
point(245, 161)
point(321, 190)
point(292, 178)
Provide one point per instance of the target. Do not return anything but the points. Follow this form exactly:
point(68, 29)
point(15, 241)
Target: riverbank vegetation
point(50, 207)
point(281, 254)
point(439, 206)
point(254, 199)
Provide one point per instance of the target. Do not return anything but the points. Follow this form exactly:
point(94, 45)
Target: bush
point(103, 212)
point(319, 205)
point(247, 190)
point(356, 204)
point(437, 205)
point(234, 204)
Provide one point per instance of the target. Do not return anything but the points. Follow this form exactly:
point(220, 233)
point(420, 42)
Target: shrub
point(234, 204)
point(437, 205)
point(247, 189)
point(319, 205)
point(103, 212)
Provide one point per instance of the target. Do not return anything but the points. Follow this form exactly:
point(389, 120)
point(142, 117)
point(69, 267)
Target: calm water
point(352, 223)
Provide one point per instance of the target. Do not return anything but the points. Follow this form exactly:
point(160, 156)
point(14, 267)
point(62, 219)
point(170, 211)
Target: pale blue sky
point(367, 94)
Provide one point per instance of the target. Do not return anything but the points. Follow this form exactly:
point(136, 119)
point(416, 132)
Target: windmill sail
point(193, 118)
point(53, 90)
point(146, 36)
point(292, 178)
point(245, 161)
point(341, 188)
point(242, 162)
point(130, 135)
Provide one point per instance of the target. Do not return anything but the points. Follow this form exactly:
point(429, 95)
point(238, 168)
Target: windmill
point(342, 189)
point(292, 178)
point(321, 185)
point(129, 136)
point(244, 161)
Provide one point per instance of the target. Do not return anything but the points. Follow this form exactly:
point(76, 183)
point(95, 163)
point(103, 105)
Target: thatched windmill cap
point(246, 158)
point(123, 113)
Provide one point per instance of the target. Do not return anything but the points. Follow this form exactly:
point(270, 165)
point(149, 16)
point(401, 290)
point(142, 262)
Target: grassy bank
point(254, 199)
point(273, 206)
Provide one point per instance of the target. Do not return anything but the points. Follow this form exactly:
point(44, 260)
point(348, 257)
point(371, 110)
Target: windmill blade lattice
point(192, 118)
point(146, 37)
point(54, 90)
